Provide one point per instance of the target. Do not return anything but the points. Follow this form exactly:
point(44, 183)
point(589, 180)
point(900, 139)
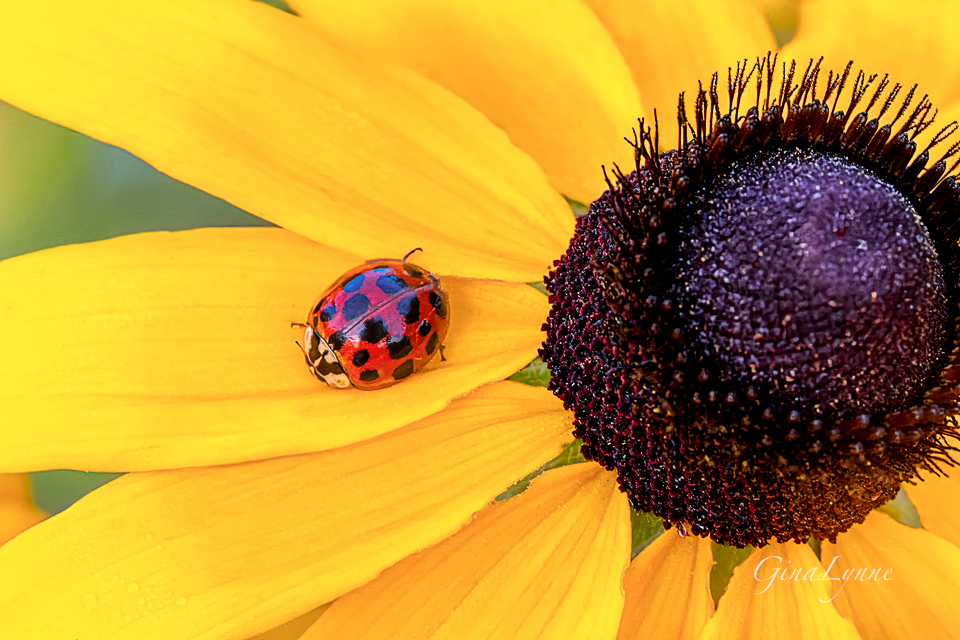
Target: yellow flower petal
point(295, 628)
point(168, 350)
point(918, 45)
point(250, 104)
point(777, 593)
point(936, 500)
point(545, 564)
point(17, 513)
point(545, 71)
point(896, 581)
point(227, 552)
point(671, 45)
point(668, 589)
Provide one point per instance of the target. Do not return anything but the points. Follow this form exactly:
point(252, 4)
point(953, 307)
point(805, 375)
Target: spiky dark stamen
point(750, 431)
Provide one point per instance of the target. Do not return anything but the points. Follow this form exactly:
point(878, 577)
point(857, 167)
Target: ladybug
point(377, 324)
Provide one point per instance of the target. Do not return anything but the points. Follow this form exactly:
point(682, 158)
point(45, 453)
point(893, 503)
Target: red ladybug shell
point(384, 320)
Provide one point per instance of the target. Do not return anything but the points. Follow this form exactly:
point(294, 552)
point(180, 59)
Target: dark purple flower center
point(758, 330)
point(808, 276)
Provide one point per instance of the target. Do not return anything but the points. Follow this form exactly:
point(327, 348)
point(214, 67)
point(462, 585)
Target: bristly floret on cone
point(705, 425)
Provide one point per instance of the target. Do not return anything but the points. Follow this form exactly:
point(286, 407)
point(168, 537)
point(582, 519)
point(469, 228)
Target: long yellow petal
point(895, 581)
point(915, 45)
point(228, 552)
point(294, 629)
point(252, 105)
point(17, 513)
point(777, 593)
point(545, 71)
point(545, 564)
point(169, 350)
point(671, 45)
point(667, 589)
point(937, 499)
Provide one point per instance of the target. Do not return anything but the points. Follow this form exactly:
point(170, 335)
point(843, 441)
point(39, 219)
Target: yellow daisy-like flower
point(256, 496)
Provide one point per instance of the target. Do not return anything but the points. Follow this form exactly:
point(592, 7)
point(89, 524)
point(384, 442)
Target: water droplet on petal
point(89, 601)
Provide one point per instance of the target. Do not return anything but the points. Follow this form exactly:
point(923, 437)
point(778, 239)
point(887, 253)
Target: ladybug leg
point(443, 358)
point(306, 356)
point(410, 253)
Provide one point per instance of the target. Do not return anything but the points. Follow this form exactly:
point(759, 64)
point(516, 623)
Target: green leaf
point(570, 455)
point(54, 491)
point(536, 374)
point(902, 510)
point(579, 209)
point(726, 559)
point(646, 528)
point(815, 545)
point(539, 286)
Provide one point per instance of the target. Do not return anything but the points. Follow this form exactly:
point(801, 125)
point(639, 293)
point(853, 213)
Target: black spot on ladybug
point(327, 314)
point(409, 308)
point(369, 375)
point(336, 340)
point(437, 301)
point(405, 369)
point(354, 284)
point(399, 348)
point(413, 271)
point(373, 330)
point(391, 284)
point(327, 367)
point(355, 306)
point(424, 328)
point(432, 344)
point(360, 358)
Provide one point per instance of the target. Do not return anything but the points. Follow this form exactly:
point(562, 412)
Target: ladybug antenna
point(300, 345)
point(410, 253)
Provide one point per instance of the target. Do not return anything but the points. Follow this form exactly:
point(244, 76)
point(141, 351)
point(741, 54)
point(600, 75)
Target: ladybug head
point(323, 361)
